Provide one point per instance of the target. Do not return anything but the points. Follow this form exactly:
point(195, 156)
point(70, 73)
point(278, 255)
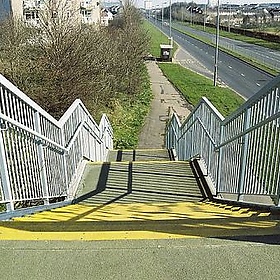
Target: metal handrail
point(40, 157)
point(241, 152)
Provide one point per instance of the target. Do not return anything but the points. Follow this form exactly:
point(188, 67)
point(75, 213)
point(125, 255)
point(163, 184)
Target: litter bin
point(165, 52)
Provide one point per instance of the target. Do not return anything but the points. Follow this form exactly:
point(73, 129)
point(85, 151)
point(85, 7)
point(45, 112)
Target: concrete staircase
point(141, 194)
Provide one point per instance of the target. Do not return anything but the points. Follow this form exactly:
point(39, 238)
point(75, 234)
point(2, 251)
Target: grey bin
point(165, 52)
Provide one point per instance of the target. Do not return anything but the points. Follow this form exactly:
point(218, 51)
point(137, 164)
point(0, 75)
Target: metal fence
point(262, 57)
point(40, 157)
point(241, 153)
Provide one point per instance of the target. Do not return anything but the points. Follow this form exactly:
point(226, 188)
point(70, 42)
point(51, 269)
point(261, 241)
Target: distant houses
point(88, 12)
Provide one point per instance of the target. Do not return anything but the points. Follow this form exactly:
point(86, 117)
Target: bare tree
point(61, 59)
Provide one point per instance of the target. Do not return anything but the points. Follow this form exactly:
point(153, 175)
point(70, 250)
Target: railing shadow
point(129, 197)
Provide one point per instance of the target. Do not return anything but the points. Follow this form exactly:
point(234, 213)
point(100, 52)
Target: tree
point(61, 59)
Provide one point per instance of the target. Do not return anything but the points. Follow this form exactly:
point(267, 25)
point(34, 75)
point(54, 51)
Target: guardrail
point(263, 58)
point(240, 153)
point(40, 157)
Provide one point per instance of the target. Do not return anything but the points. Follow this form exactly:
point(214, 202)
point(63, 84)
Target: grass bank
point(129, 115)
point(194, 86)
point(156, 38)
point(239, 37)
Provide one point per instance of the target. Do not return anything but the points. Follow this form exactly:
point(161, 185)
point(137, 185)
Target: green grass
point(194, 86)
point(239, 37)
point(157, 38)
point(129, 115)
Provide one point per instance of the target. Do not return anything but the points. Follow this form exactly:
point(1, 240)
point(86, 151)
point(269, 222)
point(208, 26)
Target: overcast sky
point(140, 3)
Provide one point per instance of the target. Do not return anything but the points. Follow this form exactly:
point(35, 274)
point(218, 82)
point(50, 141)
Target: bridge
point(218, 179)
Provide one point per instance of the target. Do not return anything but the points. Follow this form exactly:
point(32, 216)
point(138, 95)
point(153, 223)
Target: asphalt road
point(255, 52)
point(238, 75)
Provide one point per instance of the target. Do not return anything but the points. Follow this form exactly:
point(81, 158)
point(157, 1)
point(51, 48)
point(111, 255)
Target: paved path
point(166, 100)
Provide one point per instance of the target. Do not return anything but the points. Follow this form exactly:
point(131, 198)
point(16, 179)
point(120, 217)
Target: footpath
point(166, 101)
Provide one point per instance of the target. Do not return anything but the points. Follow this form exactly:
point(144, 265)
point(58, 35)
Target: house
point(29, 10)
point(106, 17)
point(275, 14)
point(90, 11)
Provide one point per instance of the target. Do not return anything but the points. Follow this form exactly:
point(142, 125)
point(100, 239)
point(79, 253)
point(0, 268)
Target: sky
point(140, 3)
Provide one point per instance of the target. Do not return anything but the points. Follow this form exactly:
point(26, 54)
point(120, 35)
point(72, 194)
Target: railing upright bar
point(64, 159)
point(219, 164)
point(41, 161)
point(244, 155)
point(4, 174)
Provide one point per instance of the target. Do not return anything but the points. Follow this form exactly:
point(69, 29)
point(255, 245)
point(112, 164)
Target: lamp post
point(229, 16)
point(162, 10)
point(170, 3)
point(205, 15)
point(217, 44)
point(192, 13)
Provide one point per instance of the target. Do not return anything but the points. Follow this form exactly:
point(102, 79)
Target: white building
point(106, 17)
point(86, 11)
point(148, 5)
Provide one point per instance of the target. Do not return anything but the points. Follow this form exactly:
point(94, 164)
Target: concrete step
point(142, 200)
point(140, 181)
point(139, 155)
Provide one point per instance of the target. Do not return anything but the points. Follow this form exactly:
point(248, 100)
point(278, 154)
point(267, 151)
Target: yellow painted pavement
point(118, 221)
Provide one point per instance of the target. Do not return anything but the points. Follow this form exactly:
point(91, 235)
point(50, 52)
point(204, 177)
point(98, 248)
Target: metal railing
point(40, 157)
point(262, 57)
point(240, 153)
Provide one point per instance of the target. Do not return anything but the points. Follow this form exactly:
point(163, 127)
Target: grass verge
point(157, 38)
point(239, 37)
point(194, 86)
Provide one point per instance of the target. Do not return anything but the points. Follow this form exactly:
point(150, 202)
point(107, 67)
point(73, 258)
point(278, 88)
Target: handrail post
point(41, 161)
point(4, 173)
point(219, 167)
point(244, 154)
point(278, 197)
point(64, 163)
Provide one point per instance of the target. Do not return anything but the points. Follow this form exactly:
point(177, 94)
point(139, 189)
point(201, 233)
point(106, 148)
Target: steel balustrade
point(241, 153)
point(40, 157)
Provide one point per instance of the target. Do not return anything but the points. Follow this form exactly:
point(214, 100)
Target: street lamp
point(182, 12)
point(163, 3)
point(170, 3)
point(192, 13)
point(217, 44)
point(205, 15)
point(229, 17)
